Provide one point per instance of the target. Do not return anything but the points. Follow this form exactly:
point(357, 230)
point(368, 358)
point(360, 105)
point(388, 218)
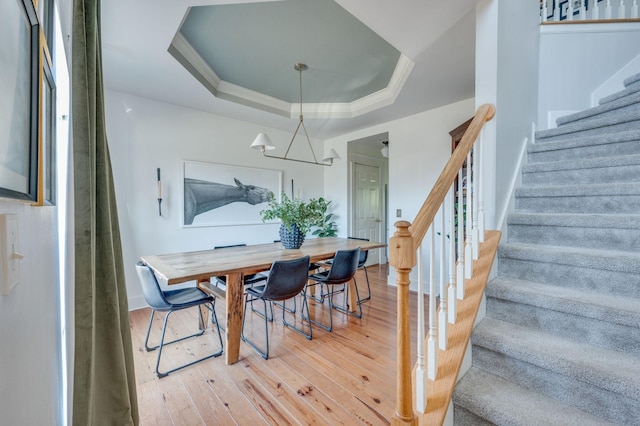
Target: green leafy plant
point(304, 215)
point(328, 227)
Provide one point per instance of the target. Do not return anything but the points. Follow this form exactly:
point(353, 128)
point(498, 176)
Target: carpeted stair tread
point(584, 163)
point(585, 147)
point(505, 403)
point(609, 107)
point(581, 190)
point(631, 79)
point(608, 221)
point(628, 120)
point(610, 308)
point(629, 89)
point(614, 371)
point(609, 260)
point(619, 232)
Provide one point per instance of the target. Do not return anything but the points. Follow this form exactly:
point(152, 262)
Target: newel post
point(402, 256)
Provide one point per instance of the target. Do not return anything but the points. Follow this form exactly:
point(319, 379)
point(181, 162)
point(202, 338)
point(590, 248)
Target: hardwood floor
point(343, 377)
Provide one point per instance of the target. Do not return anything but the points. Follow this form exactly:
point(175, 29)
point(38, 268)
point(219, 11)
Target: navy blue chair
point(169, 302)
point(344, 266)
point(364, 255)
point(287, 279)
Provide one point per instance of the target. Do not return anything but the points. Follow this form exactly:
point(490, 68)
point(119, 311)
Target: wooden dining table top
point(175, 268)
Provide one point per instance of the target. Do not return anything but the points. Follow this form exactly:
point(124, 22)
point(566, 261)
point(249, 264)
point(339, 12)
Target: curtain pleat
point(104, 390)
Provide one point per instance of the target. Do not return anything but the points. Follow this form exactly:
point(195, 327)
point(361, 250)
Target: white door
point(367, 206)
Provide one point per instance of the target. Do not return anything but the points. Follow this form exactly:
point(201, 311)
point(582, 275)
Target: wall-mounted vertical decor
point(19, 103)
point(159, 193)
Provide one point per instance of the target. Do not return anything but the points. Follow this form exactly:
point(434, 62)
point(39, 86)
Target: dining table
point(235, 263)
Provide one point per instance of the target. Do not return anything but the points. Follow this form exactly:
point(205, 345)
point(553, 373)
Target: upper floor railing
point(450, 225)
point(587, 10)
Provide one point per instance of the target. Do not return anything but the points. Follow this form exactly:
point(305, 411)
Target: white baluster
point(421, 373)
point(451, 290)
point(583, 10)
point(607, 10)
point(432, 343)
point(634, 10)
point(442, 318)
point(570, 11)
point(621, 10)
point(543, 17)
point(460, 241)
point(556, 12)
point(475, 235)
point(479, 189)
point(595, 13)
point(468, 250)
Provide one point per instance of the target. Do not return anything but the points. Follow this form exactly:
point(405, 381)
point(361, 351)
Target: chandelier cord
point(301, 67)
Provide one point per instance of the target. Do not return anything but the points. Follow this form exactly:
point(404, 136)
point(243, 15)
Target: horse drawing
point(201, 196)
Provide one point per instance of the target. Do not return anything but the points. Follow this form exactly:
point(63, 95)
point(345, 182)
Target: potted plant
point(297, 216)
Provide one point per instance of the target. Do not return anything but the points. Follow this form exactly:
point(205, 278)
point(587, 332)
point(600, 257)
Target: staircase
point(561, 341)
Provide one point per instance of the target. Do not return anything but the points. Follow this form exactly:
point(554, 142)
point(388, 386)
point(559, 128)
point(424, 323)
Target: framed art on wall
point(223, 195)
point(19, 109)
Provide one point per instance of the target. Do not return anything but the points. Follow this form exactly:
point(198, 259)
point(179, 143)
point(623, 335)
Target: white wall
point(576, 59)
point(144, 135)
point(30, 381)
point(506, 76)
point(419, 147)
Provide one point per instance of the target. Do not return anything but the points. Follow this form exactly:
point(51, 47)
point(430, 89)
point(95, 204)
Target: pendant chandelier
point(264, 144)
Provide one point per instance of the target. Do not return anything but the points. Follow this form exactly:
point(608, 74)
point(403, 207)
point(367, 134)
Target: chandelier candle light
point(263, 143)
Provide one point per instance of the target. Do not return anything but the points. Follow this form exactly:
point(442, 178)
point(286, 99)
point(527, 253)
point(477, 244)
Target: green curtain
point(104, 391)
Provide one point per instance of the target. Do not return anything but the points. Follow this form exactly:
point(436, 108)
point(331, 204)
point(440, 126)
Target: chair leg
point(282, 305)
point(329, 295)
point(200, 332)
point(346, 310)
point(292, 326)
point(366, 274)
point(162, 374)
point(264, 354)
point(316, 299)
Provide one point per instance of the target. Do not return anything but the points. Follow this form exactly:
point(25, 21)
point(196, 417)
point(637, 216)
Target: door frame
point(382, 167)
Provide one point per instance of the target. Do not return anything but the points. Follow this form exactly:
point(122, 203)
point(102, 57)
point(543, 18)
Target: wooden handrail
point(402, 256)
point(436, 197)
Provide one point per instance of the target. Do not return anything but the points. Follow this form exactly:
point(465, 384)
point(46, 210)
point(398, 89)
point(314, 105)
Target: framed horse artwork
point(222, 195)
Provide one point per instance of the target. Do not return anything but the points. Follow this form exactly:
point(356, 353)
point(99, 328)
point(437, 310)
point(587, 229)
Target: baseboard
point(136, 303)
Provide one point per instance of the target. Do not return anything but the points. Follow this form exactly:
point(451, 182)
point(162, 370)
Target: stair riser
point(566, 236)
point(613, 204)
point(571, 276)
point(590, 151)
point(605, 114)
point(569, 390)
point(621, 127)
point(598, 333)
point(630, 173)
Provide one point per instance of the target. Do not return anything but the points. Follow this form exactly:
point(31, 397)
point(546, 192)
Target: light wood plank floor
point(343, 377)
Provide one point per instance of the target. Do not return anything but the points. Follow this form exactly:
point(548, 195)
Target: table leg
point(235, 291)
point(353, 296)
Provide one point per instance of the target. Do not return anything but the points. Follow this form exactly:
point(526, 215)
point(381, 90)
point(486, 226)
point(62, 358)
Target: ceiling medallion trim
point(186, 55)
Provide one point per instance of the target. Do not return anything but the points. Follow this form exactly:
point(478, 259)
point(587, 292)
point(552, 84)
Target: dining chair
point(287, 279)
point(343, 269)
point(169, 302)
point(364, 255)
point(249, 279)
